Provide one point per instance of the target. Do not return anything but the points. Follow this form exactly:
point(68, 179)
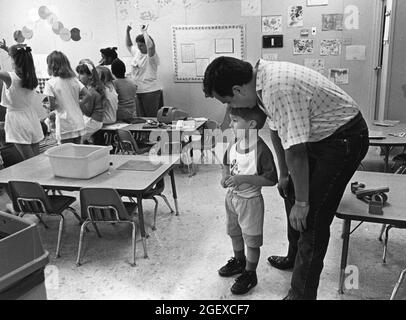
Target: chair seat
point(60, 203)
point(130, 207)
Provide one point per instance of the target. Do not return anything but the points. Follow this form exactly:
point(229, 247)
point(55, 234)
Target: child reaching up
point(63, 90)
point(126, 90)
point(110, 101)
point(93, 109)
point(22, 125)
point(248, 165)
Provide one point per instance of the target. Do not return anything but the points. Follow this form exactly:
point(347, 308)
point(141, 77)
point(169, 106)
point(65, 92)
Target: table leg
point(175, 196)
point(387, 151)
point(344, 254)
point(142, 225)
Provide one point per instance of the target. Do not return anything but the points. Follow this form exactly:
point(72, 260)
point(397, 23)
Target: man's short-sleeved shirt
point(254, 161)
point(302, 105)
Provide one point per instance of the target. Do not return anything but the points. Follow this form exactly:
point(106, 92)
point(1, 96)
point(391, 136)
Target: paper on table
point(376, 134)
point(115, 126)
point(386, 123)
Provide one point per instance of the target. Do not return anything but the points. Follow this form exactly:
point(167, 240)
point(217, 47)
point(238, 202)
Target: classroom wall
point(98, 17)
point(396, 102)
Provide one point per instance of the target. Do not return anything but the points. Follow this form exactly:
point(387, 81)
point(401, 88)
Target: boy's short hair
point(118, 68)
point(254, 113)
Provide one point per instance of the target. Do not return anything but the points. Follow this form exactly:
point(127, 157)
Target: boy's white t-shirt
point(145, 71)
point(69, 118)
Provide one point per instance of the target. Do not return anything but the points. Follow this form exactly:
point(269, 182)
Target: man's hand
point(233, 181)
point(129, 28)
point(297, 217)
point(283, 186)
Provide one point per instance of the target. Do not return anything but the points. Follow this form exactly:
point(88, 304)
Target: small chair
point(102, 205)
point(127, 143)
point(30, 198)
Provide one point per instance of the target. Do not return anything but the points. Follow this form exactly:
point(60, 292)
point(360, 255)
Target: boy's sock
point(252, 258)
point(238, 247)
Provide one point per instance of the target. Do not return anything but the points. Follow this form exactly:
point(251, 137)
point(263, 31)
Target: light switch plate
point(314, 31)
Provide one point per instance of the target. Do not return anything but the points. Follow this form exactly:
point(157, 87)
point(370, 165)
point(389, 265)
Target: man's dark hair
point(225, 72)
point(118, 69)
point(109, 53)
point(140, 38)
point(254, 113)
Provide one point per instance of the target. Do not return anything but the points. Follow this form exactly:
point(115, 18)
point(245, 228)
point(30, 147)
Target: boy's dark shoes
point(245, 282)
point(234, 266)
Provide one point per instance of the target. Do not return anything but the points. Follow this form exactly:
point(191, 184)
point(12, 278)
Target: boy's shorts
point(245, 217)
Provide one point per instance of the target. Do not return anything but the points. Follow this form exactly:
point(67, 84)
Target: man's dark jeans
point(332, 163)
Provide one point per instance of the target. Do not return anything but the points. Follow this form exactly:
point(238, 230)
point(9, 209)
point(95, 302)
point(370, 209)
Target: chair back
point(29, 197)
point(102, 204)
point(126, 142)
point(211, 133)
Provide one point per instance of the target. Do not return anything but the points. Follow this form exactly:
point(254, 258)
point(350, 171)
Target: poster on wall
point(251, 7)
point(272, 24)
point(208, 42)
point(355, 53)
point(330, 47)
point(338, 75)
point(303, 46)
point(315, 64)
point(295, 16)
point(332, 22)
point(270, 56)
point(312, 3)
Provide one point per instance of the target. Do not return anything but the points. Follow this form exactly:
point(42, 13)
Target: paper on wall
point(355, 52)
point(270, 56)
point(251, 7)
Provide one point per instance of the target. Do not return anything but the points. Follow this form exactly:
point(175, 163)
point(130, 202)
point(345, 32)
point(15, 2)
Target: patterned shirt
point(254, 161)
point(302, 105)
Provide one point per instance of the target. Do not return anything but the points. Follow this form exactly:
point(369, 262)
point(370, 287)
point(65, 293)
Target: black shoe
point(292, 296)
point(233, 266)
point(282, 263)
point(245, 282)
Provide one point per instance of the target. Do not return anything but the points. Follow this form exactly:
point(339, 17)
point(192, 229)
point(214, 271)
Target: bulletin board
point(195, 46)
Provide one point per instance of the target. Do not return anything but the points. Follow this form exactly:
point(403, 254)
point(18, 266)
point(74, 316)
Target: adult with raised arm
point(145, 72)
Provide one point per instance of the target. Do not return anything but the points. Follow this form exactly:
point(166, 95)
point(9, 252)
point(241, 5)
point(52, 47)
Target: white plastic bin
point(79, 161)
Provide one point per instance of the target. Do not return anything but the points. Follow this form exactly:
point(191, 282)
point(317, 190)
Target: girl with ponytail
point(22, 125)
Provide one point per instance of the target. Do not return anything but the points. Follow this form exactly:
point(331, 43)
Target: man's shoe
point(292, 296)
point(282, 263)
point(245, 282)
point(233, 266)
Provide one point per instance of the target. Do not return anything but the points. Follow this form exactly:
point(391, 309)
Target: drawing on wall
point(355, 53)
point(338, 75)
point(123, 8)
point(303, 46)
point(272, 24)
point(315, 64)
point(188, 53)
point(304, 32)
point(330, 47)
point(270, 56)
point(251, 7)
point(209, 42)
point(201, 65)
point(311, 3)
point(295, 16)
point(224, 45)
point(332, 22)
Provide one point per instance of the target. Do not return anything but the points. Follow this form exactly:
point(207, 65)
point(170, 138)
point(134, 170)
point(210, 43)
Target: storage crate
point(79, 161)
point(22, 259)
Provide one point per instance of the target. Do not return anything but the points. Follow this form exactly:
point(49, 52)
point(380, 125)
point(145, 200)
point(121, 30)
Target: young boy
point(248, 165)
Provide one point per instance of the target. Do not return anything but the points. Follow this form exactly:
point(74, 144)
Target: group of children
point(79, 104)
